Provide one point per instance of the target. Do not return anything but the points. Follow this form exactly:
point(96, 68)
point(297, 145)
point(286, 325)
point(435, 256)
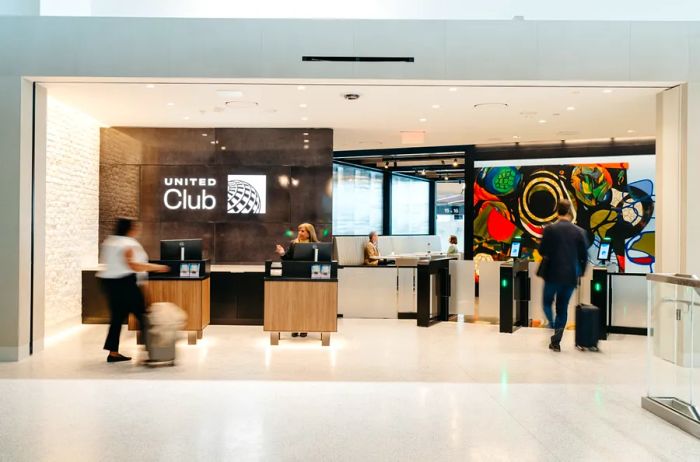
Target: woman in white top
point(452, 249)
point(126, 264)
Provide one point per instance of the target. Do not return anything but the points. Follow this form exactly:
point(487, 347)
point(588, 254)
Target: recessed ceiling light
point(436, 106)
point(453, 88)
point(304, 118)
point(303, 105)
point(386, 164)
point(516, 137)
point(447, 177)
point(306, 141)
point(306, 133)
point(171, 104)
point(186, 118)
point(422, 172)
point(150, 85)
point(571, 108)
point(212, 142)
point(607, 90)
point(542, 121)
point(301, 88)
point(306, 146)
point(422, 119)
point(631, 131)
point(454, 163)
point(223, 148)
point(205, 134)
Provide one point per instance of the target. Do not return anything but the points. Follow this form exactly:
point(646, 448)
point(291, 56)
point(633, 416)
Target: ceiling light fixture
point(422, 172)
point(571, 108)
point(170, 104)
point(212, 142)
point(306, 146)
point(447, 178)
point(223, 148)
point(607, 90)
point(306, 141)
point(205, 134)
point(303, 105)
point(631, 131)
point(306, 133)
point(186, 118)
point(542, 121)
point(386, 164)
point(436, 106)
point(516, 137)
point(150, 85)
point(304, 118)
point(453, 88)
point(422, 119)
point(454, 163)
point(301, 88)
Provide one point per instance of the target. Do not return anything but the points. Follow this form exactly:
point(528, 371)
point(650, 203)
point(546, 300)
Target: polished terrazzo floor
point(384, 390)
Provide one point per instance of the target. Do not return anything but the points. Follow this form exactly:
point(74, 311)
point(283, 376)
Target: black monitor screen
point(604, 251)
point(181, 249)
point(515, 249)
point(305, 251)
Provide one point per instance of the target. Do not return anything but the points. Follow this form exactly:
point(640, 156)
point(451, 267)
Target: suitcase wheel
point(594, 349)
point(580, 348)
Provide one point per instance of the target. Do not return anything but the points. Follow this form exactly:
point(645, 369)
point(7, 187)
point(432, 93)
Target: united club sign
point(244, 194)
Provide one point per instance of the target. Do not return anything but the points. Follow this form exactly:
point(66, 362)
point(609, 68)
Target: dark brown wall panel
point(136, 161)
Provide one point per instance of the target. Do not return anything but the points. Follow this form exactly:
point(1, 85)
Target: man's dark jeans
point(562, 293)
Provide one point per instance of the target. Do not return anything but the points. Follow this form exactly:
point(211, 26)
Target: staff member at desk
point(372, 252)
point(306, 233)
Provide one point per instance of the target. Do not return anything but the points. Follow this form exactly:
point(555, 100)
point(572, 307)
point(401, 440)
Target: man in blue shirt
point(564, 250)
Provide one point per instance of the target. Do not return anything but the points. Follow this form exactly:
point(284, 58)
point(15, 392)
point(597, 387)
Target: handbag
point(543, 269)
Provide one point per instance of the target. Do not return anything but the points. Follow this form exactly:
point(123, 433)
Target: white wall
point(72, 207)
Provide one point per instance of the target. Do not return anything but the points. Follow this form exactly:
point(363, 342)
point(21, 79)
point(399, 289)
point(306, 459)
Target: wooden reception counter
point(295, 302)
point(190, 294)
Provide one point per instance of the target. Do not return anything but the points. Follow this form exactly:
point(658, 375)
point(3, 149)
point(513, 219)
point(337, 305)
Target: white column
point(678, 180)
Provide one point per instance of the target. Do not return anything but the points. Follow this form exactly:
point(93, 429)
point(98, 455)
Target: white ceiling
point(382, 112)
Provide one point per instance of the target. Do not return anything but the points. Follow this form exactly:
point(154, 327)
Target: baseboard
point(408, 315)
point(10, 354)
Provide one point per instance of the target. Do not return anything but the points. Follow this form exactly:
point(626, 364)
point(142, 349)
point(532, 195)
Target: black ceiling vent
point(360, 59)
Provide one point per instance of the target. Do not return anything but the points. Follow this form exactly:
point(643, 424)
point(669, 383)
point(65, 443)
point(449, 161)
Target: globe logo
point(242, 197)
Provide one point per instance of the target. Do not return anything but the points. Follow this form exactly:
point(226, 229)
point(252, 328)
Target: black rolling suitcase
point(587, 327)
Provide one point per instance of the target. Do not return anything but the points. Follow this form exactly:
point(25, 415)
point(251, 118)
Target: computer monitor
point(604, 251)
point(515, 249)
point(181, 249)
point(305, 251)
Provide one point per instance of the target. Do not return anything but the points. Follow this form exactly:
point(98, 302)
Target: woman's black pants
point(124, 296)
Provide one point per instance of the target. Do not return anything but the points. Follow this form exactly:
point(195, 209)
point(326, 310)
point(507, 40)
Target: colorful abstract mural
point(519, 201)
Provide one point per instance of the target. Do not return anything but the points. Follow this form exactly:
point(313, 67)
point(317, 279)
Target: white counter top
point(237, 268)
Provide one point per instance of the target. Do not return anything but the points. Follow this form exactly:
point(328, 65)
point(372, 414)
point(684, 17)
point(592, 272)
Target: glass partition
point(357, 200)
point(410, 210)
point(673, 350)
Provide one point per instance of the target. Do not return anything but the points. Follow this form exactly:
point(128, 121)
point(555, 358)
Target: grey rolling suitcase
point(164, 320)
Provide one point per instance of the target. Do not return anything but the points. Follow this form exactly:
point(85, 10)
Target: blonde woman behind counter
point(305, 233)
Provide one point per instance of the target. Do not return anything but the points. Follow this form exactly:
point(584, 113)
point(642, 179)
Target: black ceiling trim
point(360, 59)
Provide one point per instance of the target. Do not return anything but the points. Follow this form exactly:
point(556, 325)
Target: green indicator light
point(597, 287)
point(325, 233)
point(504, 282)
point(289, 233)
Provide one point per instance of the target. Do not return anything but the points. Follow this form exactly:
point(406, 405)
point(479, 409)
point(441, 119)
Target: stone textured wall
point(72, 207)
